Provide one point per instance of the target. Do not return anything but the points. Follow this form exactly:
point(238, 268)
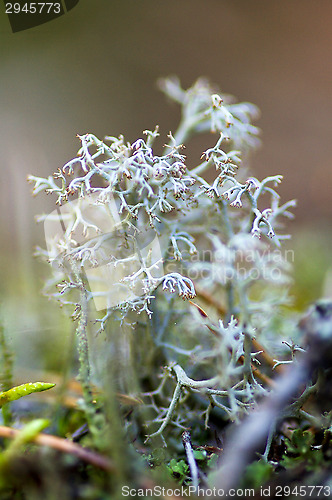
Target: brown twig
point(65, 446)
point(203, 294)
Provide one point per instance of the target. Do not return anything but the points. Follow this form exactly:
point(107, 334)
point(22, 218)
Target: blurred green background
point(95, 70)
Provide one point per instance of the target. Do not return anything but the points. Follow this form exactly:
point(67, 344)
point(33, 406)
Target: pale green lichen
point(222, 236)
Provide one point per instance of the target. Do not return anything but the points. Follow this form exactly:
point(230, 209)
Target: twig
point(247, 438)
point(190, 457)
point(210, 300)
point(65, 446)
point(269, 441)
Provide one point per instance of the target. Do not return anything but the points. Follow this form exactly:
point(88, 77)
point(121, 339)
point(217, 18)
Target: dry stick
point(81, 453)
point(65, 446)
point(247, 438)
point(190, 457)
point(210, 300)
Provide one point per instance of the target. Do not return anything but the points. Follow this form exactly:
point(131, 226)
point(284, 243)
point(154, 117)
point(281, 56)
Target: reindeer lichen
point(134, 227)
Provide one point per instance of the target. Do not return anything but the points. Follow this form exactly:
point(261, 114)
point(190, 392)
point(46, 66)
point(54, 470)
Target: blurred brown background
point(95, 70)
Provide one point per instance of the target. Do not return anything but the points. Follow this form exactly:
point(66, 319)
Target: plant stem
point(229, 235)
point(6, 373)
point(83, 346)
point(63, 445)
point(183, 132)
